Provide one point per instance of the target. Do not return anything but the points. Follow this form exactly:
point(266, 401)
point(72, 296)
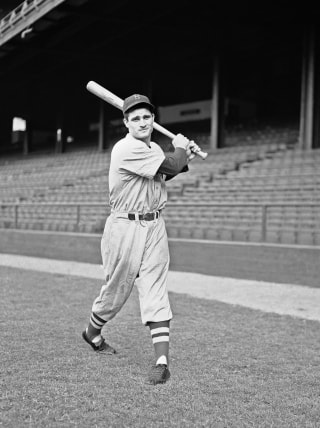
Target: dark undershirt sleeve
point(174, 163)
point(169, 177)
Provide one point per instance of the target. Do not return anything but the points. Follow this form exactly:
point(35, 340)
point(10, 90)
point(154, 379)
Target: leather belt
point(145, 216)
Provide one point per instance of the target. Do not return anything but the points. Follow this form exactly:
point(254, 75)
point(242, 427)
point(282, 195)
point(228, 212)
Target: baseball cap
point(134, 100)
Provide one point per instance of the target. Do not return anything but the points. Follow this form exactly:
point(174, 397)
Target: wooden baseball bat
point(117, 102)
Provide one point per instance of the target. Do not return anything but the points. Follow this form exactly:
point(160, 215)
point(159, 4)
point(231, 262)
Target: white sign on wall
point(19, 124)
point(186, 112)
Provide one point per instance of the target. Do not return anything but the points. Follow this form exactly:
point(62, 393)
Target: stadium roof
point(162, 48)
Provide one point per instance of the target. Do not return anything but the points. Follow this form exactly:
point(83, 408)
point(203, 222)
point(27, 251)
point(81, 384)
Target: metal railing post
point(264, 223)
point(16, 210)
point(78, 217)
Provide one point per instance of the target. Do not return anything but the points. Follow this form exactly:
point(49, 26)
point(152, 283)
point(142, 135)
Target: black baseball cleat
point(103, 347)
point(158, 374)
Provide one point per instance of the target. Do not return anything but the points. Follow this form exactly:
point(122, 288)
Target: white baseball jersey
point(133, 182)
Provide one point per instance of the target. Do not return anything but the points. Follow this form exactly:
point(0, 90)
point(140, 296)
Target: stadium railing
point(258, 225)
point(24, 15)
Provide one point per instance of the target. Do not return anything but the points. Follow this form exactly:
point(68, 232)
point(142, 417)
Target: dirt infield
point(285, 299)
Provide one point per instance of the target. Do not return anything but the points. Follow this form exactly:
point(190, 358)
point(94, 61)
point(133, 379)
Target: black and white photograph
point(159, 214)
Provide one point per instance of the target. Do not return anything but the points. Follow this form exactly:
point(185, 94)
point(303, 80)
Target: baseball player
point(134, 245)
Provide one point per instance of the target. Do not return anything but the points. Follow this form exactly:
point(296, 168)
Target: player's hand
point(191, 150)
point(180, 141)
point(190, 154)
point(193, 147)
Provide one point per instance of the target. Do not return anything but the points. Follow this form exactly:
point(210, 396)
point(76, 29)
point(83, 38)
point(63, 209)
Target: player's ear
point(125, 122)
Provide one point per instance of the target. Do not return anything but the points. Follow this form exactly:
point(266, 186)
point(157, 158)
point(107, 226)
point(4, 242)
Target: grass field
point(231, 366)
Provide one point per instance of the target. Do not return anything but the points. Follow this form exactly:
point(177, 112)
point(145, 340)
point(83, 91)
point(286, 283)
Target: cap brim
point(142, 103)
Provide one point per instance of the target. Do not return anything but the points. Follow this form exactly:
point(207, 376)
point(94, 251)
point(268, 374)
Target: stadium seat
point(255, 167)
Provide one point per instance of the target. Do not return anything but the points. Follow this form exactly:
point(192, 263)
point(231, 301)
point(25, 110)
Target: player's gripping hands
point(192, 149)
point(180, 141)
point(190, 146)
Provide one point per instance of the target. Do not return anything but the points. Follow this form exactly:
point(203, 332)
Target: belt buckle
point(133, 216)
point(148, 216)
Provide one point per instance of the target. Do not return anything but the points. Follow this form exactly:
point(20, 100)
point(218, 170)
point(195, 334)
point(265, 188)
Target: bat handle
point(200, 153)
point(171, 135)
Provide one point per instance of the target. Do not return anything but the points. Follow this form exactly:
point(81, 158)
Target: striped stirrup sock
point(160, 339)
point(96, 322)
point(159, 334)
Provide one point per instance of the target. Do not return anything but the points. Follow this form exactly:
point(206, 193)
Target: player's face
point(140, 124)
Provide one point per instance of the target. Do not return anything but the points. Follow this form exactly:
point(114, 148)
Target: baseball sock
point(94, 328)
point(160, 339)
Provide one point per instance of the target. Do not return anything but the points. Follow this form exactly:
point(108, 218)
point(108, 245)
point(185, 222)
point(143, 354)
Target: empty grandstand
point(245, 95)
point(267, 192)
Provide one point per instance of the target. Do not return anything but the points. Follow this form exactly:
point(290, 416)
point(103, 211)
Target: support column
point(101, 131)
point(217, 114)
point(60, 143)
point(27, 140)
point(306, 134)
point(316, 117)
point(21, 133)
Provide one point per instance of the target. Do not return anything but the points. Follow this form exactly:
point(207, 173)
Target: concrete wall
point(273, 263)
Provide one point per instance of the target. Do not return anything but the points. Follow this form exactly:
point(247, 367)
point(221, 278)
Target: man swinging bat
point(134, 245)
